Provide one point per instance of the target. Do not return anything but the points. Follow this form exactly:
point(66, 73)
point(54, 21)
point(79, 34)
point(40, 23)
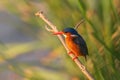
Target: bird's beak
point(58, 33)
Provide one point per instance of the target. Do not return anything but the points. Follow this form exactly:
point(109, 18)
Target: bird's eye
point(66, 32)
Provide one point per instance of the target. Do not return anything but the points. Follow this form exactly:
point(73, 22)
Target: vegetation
point(101, 31)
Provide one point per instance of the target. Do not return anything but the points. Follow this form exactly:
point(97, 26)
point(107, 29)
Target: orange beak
point(58, 33)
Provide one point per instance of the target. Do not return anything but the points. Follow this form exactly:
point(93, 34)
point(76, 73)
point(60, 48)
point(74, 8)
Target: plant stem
point(77, 61)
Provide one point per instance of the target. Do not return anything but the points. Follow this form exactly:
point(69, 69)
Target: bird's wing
point(81, 43)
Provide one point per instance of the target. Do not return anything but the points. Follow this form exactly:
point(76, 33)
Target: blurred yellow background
point(29, 52)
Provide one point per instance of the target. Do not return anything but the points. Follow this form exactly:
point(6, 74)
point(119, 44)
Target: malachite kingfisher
point(75, 43)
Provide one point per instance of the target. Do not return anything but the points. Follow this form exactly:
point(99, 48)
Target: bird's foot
point(70, 52)
point(74, 58)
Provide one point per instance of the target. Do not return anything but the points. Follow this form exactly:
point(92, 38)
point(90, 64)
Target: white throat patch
point(64, 35)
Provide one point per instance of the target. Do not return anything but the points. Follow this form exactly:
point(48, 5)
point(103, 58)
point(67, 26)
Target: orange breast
point(72, 46)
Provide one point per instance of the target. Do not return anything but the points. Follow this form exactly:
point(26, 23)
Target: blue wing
point(78, 40)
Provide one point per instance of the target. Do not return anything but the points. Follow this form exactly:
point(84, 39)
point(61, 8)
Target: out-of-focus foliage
point(101, 31)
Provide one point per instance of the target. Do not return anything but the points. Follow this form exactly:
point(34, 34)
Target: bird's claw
point(74, 58)
point(70, 52)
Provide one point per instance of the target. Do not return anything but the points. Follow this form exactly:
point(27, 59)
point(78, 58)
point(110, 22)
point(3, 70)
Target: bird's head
point(68, 32)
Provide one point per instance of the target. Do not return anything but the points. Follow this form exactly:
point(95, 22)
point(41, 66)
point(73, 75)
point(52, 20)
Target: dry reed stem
point(54, 29)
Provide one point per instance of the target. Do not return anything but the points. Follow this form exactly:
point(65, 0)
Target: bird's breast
point(72, 46)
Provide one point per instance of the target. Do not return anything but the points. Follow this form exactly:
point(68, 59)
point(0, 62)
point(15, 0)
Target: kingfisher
point(75, 43)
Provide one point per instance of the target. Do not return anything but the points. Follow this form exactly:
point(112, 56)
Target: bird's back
point(79, 41)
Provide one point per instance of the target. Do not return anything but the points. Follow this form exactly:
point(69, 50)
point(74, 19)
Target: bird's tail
point(85, 58)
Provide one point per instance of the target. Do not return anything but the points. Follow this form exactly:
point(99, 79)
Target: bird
point(75, 43)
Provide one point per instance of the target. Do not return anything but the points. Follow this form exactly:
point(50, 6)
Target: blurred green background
point(29, 52)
